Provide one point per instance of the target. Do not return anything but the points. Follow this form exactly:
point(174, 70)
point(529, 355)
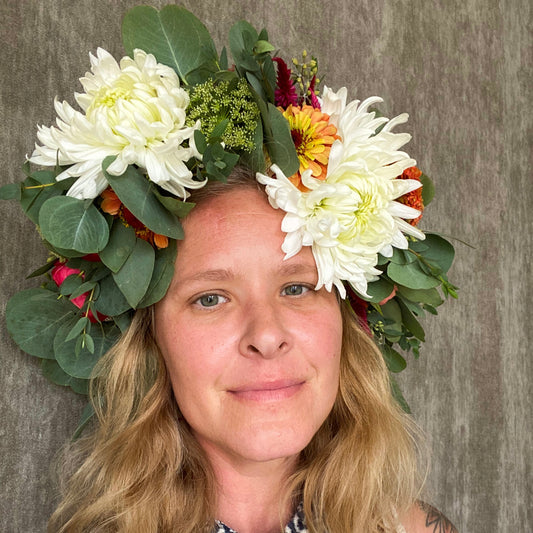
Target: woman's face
point(251, 348)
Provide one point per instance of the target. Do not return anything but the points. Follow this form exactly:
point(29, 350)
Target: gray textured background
point(461, 70)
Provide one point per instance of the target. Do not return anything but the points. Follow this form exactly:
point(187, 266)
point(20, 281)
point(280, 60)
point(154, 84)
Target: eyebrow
point(220, 274)
point(223, 274)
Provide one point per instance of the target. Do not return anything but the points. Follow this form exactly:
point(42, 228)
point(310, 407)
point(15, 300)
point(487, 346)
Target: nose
point(264, 332)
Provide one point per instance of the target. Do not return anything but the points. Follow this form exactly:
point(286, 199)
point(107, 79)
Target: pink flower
point(59, 274)
point(312, 98)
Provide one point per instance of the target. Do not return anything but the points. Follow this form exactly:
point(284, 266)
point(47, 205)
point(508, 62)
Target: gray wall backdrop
point(460, 68)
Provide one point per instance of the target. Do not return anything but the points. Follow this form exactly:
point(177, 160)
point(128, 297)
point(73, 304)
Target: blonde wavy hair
point(142, 471)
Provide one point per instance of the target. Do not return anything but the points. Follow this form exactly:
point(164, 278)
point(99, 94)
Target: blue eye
point(295, 290)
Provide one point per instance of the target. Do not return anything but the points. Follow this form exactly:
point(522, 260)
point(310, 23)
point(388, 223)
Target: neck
point(249, 493)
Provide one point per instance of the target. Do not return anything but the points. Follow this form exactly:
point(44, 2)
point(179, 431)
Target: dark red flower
point(285, 92)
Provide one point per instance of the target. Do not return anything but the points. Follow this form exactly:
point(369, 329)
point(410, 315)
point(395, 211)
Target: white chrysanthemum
point(351, 216)
point(134, 111)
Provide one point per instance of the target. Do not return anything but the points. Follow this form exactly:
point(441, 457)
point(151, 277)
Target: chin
point(262, 444)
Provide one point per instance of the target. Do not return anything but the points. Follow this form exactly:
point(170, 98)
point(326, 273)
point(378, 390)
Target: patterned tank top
point(295, 525)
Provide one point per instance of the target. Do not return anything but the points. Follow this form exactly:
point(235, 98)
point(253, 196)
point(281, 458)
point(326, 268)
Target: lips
point(268, 390)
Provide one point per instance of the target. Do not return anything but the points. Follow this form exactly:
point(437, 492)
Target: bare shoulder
point(424, 518)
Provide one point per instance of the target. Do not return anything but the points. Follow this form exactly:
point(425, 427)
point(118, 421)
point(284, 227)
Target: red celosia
point(285, 92)
point(413, 198)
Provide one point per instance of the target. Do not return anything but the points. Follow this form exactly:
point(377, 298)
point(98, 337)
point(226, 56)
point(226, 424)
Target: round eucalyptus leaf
point(174, 35)
point(119, 247)
point(439, 252)
point(33, 318)
point(379, 290)
point(412, 276)
point(72, 224)
point(52, 371)
point(395, 361)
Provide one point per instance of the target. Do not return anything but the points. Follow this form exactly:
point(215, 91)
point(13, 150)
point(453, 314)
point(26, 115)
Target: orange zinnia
point(313, 136)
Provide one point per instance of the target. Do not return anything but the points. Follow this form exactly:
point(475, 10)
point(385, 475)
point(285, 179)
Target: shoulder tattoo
point(436, 520)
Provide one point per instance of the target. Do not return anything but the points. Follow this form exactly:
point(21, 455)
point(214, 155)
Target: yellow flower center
point(108, 96)
point(313, 136)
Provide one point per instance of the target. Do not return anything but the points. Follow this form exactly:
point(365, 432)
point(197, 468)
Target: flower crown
point(173, 115)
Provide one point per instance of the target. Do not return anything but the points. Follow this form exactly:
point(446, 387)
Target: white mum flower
point(352, 216)
point(134, 111)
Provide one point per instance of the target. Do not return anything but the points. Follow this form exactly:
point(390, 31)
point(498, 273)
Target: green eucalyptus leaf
point(41, 270)
point(255, 160)
point(415, 308)
point(200, 141)
point(269, 77)
point(63, 252)
point(392, 311)
point(136, 192)
point(279, 144)
point(85, 287)
point(173, 35)
point(411, 276)
point(402, 257)
point(135, 275)
point(89, 342)
point(263, 35)
point(262, 47)
point(119, 247)
point(218, 131)
point(426, 296)
point(175, 206)
point(398, 396)
point(69, 223)
point(226, 75)
point(411, 323)
point(70, 284)
point(123, 321)
point(33, 318)
point(11, 191)
point(379, 290)
point(80, 325)
point(111, 301)
point(428, 189)
point(430, 309)
point(242, 39)
point(417, 246)
point(53, 372)
point(395, 361)
point(38, 188)
point(223, 61)
point(87, 414)
point(81, 365)
point(161, 276)
point(440, 252)
point(257, 86)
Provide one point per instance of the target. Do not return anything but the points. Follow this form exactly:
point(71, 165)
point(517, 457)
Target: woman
point(246, 394)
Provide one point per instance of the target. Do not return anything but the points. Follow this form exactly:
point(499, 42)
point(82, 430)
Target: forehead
point(234, 228)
